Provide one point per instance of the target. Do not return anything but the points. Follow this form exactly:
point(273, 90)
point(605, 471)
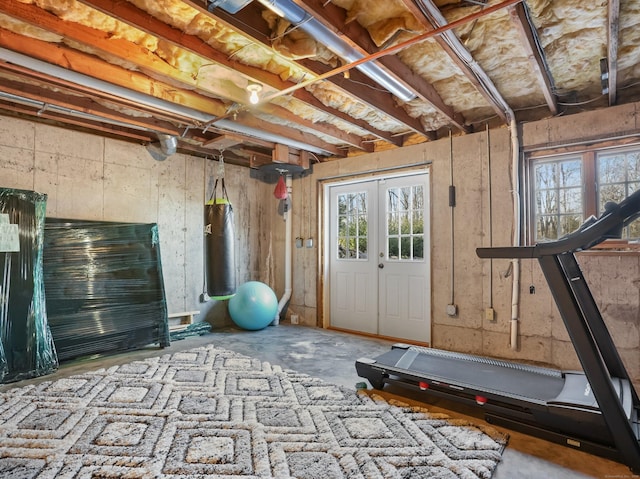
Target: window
point(352, 226)
point(405, 223)
point(567, 189)
point(558, 197)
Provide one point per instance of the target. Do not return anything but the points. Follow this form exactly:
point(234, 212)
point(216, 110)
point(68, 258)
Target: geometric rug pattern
point(213, 413)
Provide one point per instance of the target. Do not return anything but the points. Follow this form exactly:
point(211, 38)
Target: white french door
point(379, 268)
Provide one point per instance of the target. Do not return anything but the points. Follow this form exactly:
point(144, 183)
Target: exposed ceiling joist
point(337, 77)
point(531, 44)
point(127, 54)
point(335, 19)
point(42, 99)
point(360, 86)
point(253, 26)
point(59, 57)
point(131, 15)
point(457, 53)
point(84, 64)
point(329, 130)
point(246, 118)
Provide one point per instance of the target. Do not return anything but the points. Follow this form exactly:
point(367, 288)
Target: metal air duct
point(319, 32)
point(162, 149)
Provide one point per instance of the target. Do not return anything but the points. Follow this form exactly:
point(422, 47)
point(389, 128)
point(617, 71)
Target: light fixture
point(298, 17)
point(254, 88)
point(76, 78)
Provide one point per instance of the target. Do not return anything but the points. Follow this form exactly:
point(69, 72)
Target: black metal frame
point(618, 412)
point(588, 332)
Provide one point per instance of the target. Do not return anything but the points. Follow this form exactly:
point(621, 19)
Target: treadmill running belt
point(501, 377)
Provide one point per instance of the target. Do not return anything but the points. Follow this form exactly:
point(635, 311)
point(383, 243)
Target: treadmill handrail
point(591, 233)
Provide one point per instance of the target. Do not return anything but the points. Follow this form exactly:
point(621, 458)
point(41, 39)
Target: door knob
point(380, 265)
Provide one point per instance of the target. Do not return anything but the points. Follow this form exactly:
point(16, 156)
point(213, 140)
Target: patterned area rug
point(212, 413)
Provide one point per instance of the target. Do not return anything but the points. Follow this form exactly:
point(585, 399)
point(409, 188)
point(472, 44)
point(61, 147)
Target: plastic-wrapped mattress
point(104, 287)
point(26, 345)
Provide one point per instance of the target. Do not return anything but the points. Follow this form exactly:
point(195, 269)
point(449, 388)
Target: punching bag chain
point(221, 165)
point(219, 176)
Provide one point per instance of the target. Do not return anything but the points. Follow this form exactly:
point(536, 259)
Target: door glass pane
point(418, 222)
point(405, 223)
point(392, 224)
point(392, 200)
point(405, 247)
point(393, 250)
point(418, 247)
point(342, 225)
point(352, 227)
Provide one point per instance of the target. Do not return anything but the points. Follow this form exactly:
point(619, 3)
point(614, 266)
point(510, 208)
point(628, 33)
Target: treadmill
point(595, 410)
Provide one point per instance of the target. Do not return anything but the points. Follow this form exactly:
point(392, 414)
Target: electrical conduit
point(515, 179)
point(284, 300)
point(453, 41)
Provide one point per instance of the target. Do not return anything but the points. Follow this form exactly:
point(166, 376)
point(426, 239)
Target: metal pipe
point(515, 178)
point(392, 50)
point(50, 107)
point(298, 17)
point(102, 86)
point(229, 125)
point(284, 300)
point(143, 99)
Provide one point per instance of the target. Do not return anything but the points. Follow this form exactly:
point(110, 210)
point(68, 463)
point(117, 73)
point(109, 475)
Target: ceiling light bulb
point(254, 89)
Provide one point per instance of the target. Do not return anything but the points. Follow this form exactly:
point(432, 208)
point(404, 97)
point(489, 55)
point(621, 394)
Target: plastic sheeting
point(26, 345)
point(105, 289)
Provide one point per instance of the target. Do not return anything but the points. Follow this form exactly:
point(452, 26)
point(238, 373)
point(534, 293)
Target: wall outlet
point(490, 314)
point(452, 309)
point(294, 319)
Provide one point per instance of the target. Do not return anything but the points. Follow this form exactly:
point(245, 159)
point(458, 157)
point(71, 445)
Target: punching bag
point(220, 237)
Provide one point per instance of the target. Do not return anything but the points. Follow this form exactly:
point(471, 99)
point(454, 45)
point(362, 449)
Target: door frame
point(323, 284)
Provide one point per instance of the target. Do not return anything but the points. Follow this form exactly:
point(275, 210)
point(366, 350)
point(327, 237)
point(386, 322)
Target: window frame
point(590, 187)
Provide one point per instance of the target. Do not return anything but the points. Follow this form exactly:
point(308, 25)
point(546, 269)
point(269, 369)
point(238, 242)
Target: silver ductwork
point(298, 17)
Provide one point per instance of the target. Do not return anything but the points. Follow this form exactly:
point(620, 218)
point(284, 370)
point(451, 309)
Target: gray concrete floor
point(331, 356)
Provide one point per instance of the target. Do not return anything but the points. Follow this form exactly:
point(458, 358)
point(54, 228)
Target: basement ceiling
point(334, 78)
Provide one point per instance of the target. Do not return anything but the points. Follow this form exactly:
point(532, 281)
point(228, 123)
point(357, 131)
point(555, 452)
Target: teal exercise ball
point(254, 306)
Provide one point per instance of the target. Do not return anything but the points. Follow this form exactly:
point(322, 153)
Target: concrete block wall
point(94, 178)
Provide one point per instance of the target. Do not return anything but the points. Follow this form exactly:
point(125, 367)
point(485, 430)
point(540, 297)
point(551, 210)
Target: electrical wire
point(452, 222)
point(437, 21)
point(628, 86)
point(578, 103)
